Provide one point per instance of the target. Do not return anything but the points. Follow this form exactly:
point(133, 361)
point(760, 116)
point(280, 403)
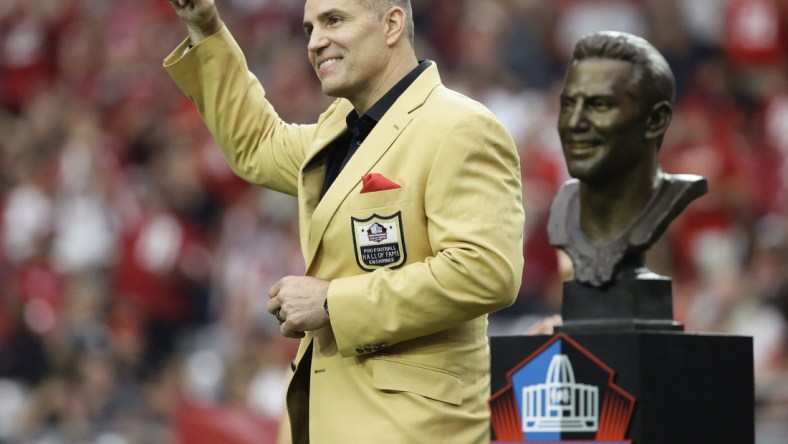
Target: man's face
point(601, 127)
point(347, 47)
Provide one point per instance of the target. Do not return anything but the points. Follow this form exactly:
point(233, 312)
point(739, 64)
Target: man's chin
point(329, 89)
point(333, 90)
point(581, 172)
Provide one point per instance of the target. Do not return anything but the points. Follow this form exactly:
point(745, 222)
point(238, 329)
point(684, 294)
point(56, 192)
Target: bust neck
point(608, 209)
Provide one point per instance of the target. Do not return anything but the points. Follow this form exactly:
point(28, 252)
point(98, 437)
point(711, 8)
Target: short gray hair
point(380, 7)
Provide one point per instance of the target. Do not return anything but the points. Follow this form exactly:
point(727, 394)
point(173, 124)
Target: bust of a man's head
point(616, 105)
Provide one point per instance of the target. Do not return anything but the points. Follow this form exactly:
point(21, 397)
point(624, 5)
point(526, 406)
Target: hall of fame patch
point(378, 241)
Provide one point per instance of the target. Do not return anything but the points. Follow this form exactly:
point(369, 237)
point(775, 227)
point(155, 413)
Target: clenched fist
point(298, 304)
point(201, 18)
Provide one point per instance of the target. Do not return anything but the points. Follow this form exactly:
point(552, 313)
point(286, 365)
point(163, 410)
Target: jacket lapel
point(379, 141)
point(313, 174)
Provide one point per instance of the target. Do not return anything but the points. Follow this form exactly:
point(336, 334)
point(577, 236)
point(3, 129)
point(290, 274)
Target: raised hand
point(200, 16)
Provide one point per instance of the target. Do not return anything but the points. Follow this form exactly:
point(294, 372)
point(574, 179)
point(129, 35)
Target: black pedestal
point(669, 387)
point(638, 304)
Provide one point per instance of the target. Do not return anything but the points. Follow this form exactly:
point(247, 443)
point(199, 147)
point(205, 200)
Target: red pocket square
point(377, 182)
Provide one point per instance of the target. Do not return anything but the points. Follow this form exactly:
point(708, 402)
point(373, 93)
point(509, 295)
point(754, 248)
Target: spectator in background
point(68, 61)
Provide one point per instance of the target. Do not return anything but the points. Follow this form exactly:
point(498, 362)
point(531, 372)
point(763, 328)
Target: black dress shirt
point(344, 146)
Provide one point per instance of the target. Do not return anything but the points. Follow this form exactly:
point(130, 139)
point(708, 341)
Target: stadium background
point(134, 267)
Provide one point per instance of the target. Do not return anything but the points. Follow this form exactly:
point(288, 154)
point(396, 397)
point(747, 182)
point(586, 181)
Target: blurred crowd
point(135, 267)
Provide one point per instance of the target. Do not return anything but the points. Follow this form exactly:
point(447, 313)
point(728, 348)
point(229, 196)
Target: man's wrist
point(198, 33)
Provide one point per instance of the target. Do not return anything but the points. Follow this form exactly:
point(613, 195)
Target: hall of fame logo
point(561, 394)
point(378, 241)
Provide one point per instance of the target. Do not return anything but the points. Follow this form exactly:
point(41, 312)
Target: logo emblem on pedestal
point(561, 393)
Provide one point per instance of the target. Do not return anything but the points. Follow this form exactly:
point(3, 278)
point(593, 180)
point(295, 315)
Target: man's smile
point(327, 63)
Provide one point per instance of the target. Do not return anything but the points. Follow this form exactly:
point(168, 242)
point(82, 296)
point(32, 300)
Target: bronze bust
point(616, 105)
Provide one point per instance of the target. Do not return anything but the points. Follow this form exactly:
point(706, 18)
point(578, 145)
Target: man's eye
point(599, 105)
point(334, 19)
point(567, 103)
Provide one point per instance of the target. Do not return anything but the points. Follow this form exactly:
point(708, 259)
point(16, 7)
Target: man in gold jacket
point(410, 218)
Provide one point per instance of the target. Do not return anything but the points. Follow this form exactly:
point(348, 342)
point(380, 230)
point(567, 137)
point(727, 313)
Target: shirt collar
point(379, 109)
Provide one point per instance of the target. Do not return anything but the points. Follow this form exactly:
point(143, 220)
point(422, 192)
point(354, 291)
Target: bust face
point(601, 125)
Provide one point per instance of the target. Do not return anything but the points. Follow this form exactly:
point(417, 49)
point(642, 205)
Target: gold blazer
point(414, 270)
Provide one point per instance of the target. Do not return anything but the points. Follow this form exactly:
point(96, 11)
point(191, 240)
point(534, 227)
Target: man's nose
point(317, 41)
point(577, 118)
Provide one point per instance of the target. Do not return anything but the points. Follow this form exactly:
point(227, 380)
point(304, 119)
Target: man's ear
point(658, 120)
point(395, 25)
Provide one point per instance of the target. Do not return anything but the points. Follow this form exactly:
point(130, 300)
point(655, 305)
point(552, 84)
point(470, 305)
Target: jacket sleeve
point(475, 219)
point(258, 145)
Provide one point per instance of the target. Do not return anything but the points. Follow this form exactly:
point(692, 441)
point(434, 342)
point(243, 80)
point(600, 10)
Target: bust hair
point(651, 71)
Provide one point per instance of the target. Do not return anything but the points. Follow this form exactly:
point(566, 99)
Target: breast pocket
point(379, 199)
